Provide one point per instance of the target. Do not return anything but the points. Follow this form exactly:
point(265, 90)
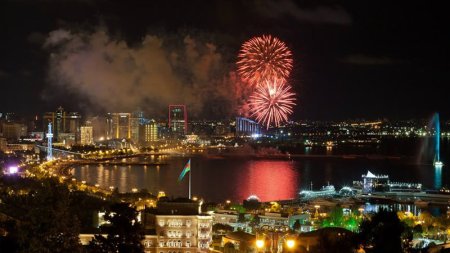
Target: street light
point(286, 243)
point(317, 211)
point(259, 243)
point(290, 243)
point(361, 210)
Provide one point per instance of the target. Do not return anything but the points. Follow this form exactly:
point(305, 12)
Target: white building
point(183, 233)
point(179, 227)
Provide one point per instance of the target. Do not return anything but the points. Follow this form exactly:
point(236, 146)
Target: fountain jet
point(437, 157)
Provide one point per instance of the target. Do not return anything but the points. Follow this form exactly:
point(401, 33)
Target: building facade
point(178, 123)
point(149, 132)
point(13, 131)
point(178, 227)
point(183, 233)
point(374, 183)
point(247, 127)
point(87, 135)
point(137, 119)
point(66, 125)
point(118, 125)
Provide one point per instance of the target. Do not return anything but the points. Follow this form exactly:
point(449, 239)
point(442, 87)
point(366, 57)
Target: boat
point(325, 191)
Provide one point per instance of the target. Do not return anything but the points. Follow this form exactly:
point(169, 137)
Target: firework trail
point(272, 102)
point(264, 57)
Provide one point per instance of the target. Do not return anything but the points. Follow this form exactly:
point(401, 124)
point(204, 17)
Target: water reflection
point(269, 180)
point(437, 176)
point(375, 208)
point(235, 178)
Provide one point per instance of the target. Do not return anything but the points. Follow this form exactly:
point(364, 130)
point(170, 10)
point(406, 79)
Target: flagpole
point(190, 172)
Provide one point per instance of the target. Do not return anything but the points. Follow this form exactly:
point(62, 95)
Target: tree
point(255, 221)
point(335, 240)
point(251, 204)
point(229, 248)
point(44, 221)
point(222, 229)
point(383, 232)
point(241, 218)
point(296, 225)
point(335, 219)
point(124, 232)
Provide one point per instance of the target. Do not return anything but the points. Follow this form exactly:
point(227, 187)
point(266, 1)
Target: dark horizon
point(351, 60)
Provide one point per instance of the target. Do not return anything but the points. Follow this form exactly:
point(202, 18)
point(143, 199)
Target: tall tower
point(118, 125)
point(149, 132)
point(60, 122)
point(49, 142)
point(86, 134)
point(137, 119)
point(178, 119)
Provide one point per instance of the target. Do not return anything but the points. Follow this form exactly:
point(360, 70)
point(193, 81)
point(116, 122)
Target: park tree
point(222, 229)
point(335, 219)
point(241, 218)
point(255, 221)
point(124, 234)
point(296, 226)
point(43, 221)
point(383, 231)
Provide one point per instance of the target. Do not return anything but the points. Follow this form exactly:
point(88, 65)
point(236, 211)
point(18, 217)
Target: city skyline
point(351, 60)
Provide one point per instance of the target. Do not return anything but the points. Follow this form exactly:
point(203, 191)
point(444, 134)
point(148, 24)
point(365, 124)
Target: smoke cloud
point(158, 71)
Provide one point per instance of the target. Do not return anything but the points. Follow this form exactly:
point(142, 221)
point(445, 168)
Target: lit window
point(148, 244)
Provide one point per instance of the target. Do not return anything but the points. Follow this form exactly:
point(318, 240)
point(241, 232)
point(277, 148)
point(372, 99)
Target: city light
point(13, 169)
point(290, 243)
point(259, 243)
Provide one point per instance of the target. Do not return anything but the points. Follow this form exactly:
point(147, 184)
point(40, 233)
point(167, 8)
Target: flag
point(186, 169)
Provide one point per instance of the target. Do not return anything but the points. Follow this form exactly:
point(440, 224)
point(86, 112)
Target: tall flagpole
point(190, 172)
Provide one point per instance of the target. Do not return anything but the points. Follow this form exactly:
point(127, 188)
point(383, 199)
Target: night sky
point(352, 59)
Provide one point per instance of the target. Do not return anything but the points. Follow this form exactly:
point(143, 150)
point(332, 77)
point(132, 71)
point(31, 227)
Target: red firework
point(264, 57)
point(272, 102)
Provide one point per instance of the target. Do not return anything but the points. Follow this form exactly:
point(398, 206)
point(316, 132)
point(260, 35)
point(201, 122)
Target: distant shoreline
point(313, 156)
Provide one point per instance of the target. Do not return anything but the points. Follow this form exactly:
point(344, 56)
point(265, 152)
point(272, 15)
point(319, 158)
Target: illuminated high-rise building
point(87, 134)
point(137, 119)
point(60, 122)
point(247, 127)
point(118, 125)
point(178, 119)
point(13, 130)
point(149, 132)
point(65, 125)
point(3, 144)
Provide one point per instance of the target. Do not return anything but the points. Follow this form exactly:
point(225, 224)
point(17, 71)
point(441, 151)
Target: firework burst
point(264, 57)
point(272, 102)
